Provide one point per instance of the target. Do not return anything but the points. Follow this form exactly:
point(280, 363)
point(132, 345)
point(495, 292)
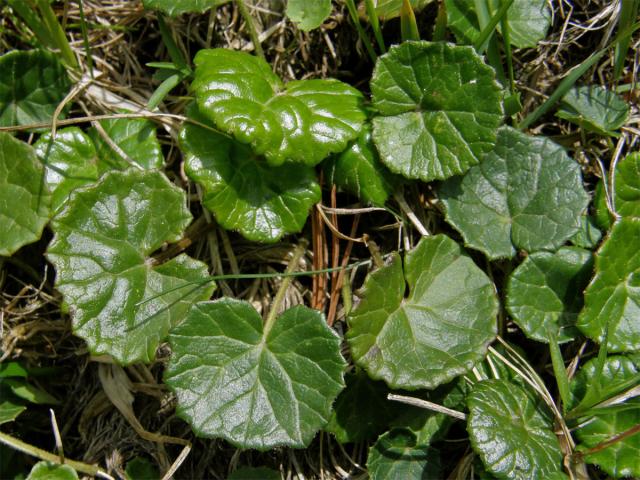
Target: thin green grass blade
point(163, 90)
point(559, 370)
point(85, 38)
point(375, 24)
point(440, 28)
point(408, 24)
point(353, 13)
point(483, 40)
point(172, 48)
point(57, 34)
point(628, 14)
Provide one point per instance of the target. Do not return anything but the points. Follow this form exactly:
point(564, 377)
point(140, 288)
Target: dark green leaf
point(589, 235)
point(627, 186)
point(255, 387)
point(594, 108)
point(438, 332)
point(141, 469)
point(397, 455)
point(527, 194)
point(24, 197)
point(511, 433)
point(52, 471)
point(121, 303)
point(612, 299)
point(440, 108)
point(32, 84)
point(544, 294)
point(177, 7)
point(254, 473)
point(308, 15)
point(303, 121)
point(263, 203)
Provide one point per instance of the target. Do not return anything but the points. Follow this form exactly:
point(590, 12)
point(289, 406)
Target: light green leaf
point(32, 84)
point(70, 162)
point(358, 170)
point(10, 410)
point(388, 9)
point(462, 19)
point(255, 387)
point(544, 294)
point(440, 108)
point(621, 458)
point(308, 15)
point(20, 388)
point(303, 121)
point(121, 303)
point(511, 433)
point(594, 108)
point(527, 194)
point(52, 471)
point(439, 331)
point(24, 198)
point(588, 236)
point(13, 369)
point(254, 473)
point(263, 203)
point(178, 7)
point(136, 140)
point(612, 299)
point(627, 186)
point(141, 468)
point(396, 455)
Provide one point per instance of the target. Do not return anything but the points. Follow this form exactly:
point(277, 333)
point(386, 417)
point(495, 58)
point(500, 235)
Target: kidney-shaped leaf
point(253, 385)
point(440, 108)
point(526, 194)
point(627, 186)
point(308, 15)
point(121, 303)
point(32, 84)
point(594, 108)
point(24, 197)
point(52, 471)
point(511, 433)
point(177, 7)
point(397, 454)
point(438, 332)
point(263, 203)
point(612, 299)
point(302, 121)
point(544, 294)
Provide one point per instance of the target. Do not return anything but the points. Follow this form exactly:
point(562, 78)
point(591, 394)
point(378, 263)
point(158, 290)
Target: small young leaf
point(527, 194)
point(612, 299)
point(135, 137)
point(303, 121)
point(358, 170)
point(627, 186)
point(52, 471)
point(544, 293)
point(511, 432)
point(120, 303)
point(396, 455)
point(440, 108)
point(9, 410)
point(594, 108)
point(438, 332)
point(70, 162)
point(254, 473)
point(263, 203)
point(178, 7)
point(255, 388)
point(24, 197)
point(32, 84)
point(308, 15)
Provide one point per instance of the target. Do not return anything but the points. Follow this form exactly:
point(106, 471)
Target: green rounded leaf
point(308, 15)
point(511, 433)
point(255, 388)
point(178, 7)
point(24, 198)
point(263, 203)
point(397, 455)
point(627, 186)
point(544, 294)
point(70, 162)
point(594, 108)
point(302, 121)
point(136, 140)
point(527, 194)
point(121, 303)
point(358, 170)
point(439, 331)
point(32, 84)
point(440, 108)
point(141, 468)
point(612, 299)
point(52, 471)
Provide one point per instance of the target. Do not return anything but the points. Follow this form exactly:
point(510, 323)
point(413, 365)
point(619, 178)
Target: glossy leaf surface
point(255, 388)
point(358, 170)
point(439, 331)
point(177, 7)
point(263, 203)
point(527, 194)
point(308, 15)
point(544, 293)
point(439, 106)
point(612, 299)
point(627, 186)
point(588, 236)
point(594, 108)
point(121, 303)
point(52, 471)
point(511, 433)
point(32, 84)
point(396, 454)
point(302, 121)
point(70, 162)
point(24, 198)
